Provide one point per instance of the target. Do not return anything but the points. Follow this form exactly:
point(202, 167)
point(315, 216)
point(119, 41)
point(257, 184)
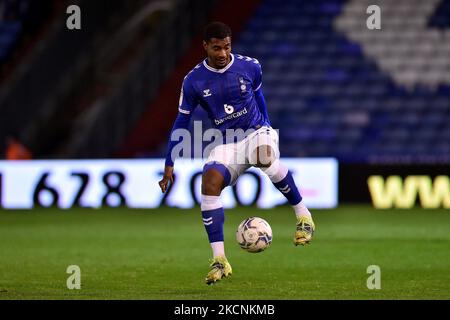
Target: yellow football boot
point(305, 230)
point(220, 268)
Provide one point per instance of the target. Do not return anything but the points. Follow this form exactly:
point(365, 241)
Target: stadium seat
point(331, 98)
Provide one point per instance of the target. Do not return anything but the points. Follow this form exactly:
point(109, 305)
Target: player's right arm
point(186, 107)
point(182, 122)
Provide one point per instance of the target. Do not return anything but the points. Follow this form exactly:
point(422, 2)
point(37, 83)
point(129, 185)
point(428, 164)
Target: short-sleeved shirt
point(227, 94)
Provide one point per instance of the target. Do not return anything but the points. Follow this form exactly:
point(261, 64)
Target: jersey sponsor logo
point(228, 109)
point(231, 116)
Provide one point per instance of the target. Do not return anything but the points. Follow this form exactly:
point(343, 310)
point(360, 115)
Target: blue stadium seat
point(329, 99)
point(9, 35)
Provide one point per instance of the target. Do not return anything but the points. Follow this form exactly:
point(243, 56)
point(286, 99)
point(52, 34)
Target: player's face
point(218, 51)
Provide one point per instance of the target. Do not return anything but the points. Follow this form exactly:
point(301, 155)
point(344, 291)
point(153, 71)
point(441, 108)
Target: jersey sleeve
point(182, 122)
point(188, 100)
point(257, 76)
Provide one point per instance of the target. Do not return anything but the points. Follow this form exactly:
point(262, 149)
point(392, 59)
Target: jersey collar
point(219, 70)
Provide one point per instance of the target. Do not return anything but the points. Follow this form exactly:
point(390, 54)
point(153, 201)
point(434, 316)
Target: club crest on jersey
point(242, 85)
point(207, 93)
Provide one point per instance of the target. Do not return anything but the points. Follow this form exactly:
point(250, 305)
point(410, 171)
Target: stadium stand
point(20, 19)
point(334, 97)
point(149, 136)
point(80, 82)
point(335, 87)
point(12, 14)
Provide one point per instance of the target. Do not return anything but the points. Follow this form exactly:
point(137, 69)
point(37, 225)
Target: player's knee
point(211, 188)
point(212, 183)
point(265, 156)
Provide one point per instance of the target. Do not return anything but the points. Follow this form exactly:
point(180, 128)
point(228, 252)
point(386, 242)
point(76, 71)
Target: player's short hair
point(217, 30)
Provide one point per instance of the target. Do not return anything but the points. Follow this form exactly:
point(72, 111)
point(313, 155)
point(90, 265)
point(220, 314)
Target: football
point(254, 234)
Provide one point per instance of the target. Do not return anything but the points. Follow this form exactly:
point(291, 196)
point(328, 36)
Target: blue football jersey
point(227, 94)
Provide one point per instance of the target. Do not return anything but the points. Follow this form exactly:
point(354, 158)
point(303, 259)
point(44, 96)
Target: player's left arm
point(187, 104)
point(257, 88)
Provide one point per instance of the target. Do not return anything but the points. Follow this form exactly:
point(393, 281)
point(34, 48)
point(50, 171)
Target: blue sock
point(213, 221)
point(288, 188)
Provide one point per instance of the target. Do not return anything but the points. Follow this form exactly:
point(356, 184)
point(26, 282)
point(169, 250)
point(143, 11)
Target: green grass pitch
point(163, 254)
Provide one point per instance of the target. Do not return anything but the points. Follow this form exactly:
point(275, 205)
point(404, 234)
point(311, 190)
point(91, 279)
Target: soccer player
point(228, 87)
